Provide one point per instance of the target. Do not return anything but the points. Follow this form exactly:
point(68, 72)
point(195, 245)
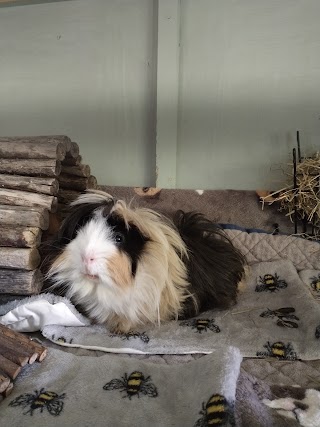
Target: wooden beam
point(167, 92)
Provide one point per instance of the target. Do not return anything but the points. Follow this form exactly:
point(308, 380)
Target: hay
point(305, 197)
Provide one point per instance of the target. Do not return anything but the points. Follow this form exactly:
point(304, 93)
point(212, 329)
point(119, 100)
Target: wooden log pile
point(39, 177)
point(16, 351)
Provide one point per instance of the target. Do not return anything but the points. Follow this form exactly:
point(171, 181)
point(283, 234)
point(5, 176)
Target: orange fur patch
point(119, 267)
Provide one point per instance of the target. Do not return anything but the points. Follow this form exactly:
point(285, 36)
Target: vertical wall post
point(167, 92)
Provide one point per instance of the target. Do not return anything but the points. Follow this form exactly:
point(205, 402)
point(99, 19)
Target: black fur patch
point(215, 266)
point(282, 391)
point(77, 218)
point(132, 240)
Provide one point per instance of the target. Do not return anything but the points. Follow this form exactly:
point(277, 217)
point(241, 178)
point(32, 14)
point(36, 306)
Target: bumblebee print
point(142, 335)
point(201, 325)
point(270, 283)
point(284, 315)
point(133, 385)
point(317, 333)
point(216, 412)
point(278, 350)
point(315, 283)
point(42, 399)
point(61, 340)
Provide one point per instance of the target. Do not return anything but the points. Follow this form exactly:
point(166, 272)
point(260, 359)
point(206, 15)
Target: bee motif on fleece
point(43, 399)
point(285, 316)
point(201, 325)
point(278, 350)
point(216, 412)
point(315, 283)
point(142, 335)
point(133, 385)
point(61, 340)
point(317, 333)
point(270, 283)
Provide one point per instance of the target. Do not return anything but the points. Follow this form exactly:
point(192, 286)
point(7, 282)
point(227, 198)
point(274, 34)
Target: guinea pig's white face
point(91, 251)
point(104, 252)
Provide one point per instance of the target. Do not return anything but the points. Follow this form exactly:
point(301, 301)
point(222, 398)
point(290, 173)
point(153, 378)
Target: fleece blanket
point(276, 317)
point(71, 390)
point(258, 246)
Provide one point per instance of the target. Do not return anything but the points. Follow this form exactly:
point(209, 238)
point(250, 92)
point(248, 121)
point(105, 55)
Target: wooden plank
point(19, 258)
point(20, 282)
point(25, 216)
point(30, 183)
point(30, 167)
point(37, 147)
point(167, 92)
point(24, 198)
point(20, 237)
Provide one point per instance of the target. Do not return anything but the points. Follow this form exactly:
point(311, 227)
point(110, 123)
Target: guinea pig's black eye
point(119, 238)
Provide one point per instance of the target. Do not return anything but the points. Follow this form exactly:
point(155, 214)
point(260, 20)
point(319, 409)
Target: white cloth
point(35, 315)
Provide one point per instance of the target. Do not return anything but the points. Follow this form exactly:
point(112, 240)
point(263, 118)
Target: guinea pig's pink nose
point(88, 259)
point(89, 265)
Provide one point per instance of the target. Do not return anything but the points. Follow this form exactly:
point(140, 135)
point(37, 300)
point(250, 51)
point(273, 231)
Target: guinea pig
point(129, 266)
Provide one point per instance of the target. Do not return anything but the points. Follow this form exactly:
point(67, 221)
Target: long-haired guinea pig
point(127, 266)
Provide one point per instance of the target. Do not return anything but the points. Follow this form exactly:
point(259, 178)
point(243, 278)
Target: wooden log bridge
point(39, 177)
point(16, 351)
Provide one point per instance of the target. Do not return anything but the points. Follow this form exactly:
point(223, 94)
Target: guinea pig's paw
point(119, 326)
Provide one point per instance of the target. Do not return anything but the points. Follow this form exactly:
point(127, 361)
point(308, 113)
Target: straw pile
point(305, 197)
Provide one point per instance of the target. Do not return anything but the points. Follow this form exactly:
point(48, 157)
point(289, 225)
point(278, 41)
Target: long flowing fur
point(129, 266)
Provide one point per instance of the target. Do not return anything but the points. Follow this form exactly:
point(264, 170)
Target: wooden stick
point(31, 167)
point(8, 390)
point(4, 381)
point(67, 196)
point(37, 147)
point(79, 170)
point(19, 258)
point(72, 161)
point(12, 340)
point(30, 183)
point(18, 358)
point(9, 368)
point(25, 198)
point(21, 237)
point(78, 183)
point(20, 282)
point(24, 342)
point(25, 216)
point(14, 350)
point(73, 152)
